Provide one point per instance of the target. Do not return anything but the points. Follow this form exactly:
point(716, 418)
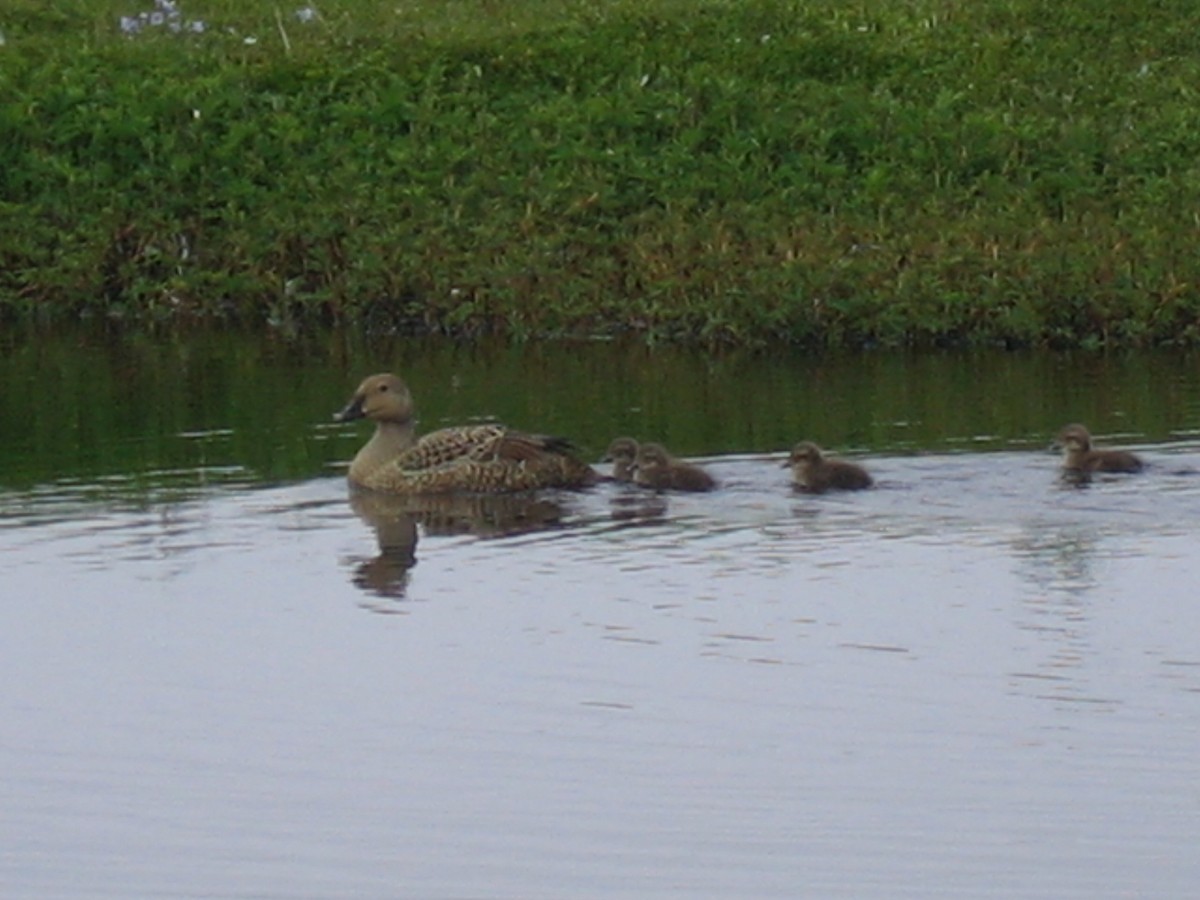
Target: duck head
point(1074, 439)
point(804, 454)
point(381, 398)
point(622, 449)
point(651, 457)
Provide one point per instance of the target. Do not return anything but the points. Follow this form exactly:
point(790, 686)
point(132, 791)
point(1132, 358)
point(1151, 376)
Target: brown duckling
point(1079, 457)
point(658, 469)
point(813, 472)
point(622, 453)
point(488, 459)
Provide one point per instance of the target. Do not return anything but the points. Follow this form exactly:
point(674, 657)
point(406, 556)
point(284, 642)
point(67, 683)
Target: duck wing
point(485, 459)
point(516, 446)
point(450, 445)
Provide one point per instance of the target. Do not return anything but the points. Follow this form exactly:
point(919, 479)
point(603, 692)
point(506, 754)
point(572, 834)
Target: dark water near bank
point(225, 679)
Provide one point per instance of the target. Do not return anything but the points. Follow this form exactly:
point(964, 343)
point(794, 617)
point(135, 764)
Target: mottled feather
point(449, 445)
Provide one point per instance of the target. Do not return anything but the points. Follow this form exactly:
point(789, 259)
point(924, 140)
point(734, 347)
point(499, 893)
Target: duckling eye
point(383, 388)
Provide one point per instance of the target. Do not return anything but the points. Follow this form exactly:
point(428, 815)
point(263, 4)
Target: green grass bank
point(913, 172)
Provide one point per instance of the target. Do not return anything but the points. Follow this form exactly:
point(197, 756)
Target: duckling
point(1079, 457)
point(656, 468)
point(622, 453)
point(489, 459)
point(813, 472)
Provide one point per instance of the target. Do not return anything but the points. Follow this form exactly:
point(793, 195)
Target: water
point(226, 678)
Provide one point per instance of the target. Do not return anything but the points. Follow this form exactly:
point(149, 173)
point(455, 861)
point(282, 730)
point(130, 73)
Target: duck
point(622, 453)
point(815, 473)
point(658, 469)
point(484, 459)
point(1080, 457)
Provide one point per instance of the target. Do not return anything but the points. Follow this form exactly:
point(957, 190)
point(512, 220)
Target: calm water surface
point(225, 677)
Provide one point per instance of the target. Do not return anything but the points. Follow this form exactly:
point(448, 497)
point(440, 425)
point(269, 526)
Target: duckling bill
point(468, 459)
point(1079, 457)
point(815, 473)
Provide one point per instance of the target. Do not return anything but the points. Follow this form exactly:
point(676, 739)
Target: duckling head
point(804, 454)
point(622, 449)
point(652, 457)
point(381, 398)
point(1075, 439)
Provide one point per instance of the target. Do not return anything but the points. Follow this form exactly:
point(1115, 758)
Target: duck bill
point(351, 411)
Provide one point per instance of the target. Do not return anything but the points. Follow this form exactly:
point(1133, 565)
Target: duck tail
point(557, 444)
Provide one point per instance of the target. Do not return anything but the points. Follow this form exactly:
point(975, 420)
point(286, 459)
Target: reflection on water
point(974, 680)
point(125, 405)
point(969, 674)
point(1058, 560)
point(1060, 564)
point(394, 519)
point(395, 527)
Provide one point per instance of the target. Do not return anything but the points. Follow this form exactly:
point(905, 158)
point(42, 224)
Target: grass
point(919, 172)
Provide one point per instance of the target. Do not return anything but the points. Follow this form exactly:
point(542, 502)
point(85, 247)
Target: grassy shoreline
point(1024, 173)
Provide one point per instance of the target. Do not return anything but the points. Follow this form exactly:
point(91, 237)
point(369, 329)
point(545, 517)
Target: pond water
point(226, 677)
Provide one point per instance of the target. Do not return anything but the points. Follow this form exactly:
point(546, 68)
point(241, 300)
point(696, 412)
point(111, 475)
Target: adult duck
point(488, 459)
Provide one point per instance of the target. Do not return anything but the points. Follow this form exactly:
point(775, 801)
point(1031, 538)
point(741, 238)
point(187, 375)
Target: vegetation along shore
point(1022, 172)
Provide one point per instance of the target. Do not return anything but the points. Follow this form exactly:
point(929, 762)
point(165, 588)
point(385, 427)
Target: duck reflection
point(385, 575)
point(1057, 562)
point(1059, 567)
point(638, 507)
point(395, 520)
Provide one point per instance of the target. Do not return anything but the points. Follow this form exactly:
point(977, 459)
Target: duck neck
point(389, 440)
point(1074, 457)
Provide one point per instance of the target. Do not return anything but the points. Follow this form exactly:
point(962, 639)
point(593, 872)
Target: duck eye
point(383, 388)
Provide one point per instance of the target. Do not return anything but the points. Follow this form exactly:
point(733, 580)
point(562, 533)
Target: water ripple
point(613, 675)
